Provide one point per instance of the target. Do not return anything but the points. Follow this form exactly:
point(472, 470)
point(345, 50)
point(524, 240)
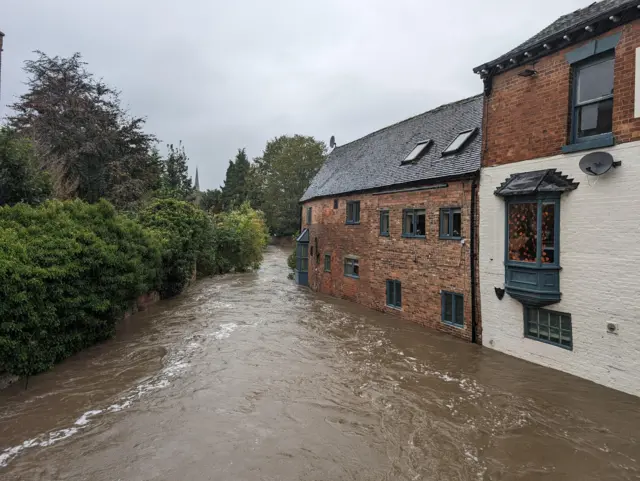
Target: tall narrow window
point(309, 215)
point(351, 267)
point(353, 212)
point(414, 223)
point(304, 257)
point(453, 308)
point(451, 223)
point(335, 203)
point(327, 262)
point(384, 223)
point(593, 99)
point(394, 294)
point(532, 236)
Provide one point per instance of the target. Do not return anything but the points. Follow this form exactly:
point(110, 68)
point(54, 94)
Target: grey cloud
point(221, 75)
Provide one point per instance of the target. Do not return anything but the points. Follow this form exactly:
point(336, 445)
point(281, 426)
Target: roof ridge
point(435, 109)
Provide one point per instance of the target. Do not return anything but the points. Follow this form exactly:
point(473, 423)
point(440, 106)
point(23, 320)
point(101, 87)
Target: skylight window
point(459, 142)
point(419, 149)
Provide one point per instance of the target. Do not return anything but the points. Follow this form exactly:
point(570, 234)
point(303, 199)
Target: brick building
point(387, 221)
point(559, 259)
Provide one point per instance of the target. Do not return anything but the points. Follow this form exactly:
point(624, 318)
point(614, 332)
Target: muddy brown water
point(248, 377)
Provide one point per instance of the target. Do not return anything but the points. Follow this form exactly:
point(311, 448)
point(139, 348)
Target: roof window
point(459, 142)
point(418, 151)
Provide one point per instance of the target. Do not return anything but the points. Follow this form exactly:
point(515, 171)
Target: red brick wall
point(423, 266)
point(529, 117)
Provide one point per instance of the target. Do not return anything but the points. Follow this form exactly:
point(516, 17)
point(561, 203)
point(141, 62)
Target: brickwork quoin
point(424, 266)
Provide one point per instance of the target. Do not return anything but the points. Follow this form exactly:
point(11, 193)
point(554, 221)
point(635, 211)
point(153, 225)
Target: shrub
point(68, 272)
point(240, 237)
point(186, 236)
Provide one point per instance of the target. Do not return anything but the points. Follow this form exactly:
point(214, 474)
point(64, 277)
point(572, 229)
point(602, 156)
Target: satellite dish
point(332, 142)
point(597, 163)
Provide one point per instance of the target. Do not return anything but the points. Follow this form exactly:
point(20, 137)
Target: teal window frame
point(335, 203)
point(539, 326)
point(351, 264)
point(449, 212)
point(304, 257)
point(327, 262)
point(455, 299)
point(413, 211)
point(384, 214)
point(309, 215)
point(353, 212)
point(394, 294)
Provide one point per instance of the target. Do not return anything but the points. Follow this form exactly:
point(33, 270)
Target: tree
point(236, 189)
point(20, 178)
point(176, 176)
point(284, 172)
point(82, 135)
point(211, 201)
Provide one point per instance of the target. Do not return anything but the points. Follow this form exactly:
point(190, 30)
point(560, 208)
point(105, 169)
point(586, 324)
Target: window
point(419, 150)
point(335, 203)
point(353, 212)
point(532, 232)
point(548, 326)
point(451, 223)
point(384, 223)
point(351, 267)
point(452, 309)
point(309, 215)
point(394, 294)
point(459, 142)
point(327, 262)
point(592, 99)
point(414, 223)
point(304, 257)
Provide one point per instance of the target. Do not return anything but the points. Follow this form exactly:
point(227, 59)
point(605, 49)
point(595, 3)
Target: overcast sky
point(220, 75)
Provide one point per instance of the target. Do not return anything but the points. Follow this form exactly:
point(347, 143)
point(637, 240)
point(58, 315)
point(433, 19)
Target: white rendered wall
point(600, 276)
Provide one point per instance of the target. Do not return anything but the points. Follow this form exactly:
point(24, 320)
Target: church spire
point(197, 183)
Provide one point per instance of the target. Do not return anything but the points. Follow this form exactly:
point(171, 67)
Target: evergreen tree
point(236, 187)
point(176, 172)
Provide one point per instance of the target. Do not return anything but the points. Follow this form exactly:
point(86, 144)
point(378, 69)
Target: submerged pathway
point(248, 377)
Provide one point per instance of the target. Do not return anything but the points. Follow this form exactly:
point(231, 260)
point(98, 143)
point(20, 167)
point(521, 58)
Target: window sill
point(566, 348)
point(459, 326)
point(606, 140)
point(352, 223)
point(395, 308)
point(533, 265)
point(384, 235)
point(443, 237)
point(407, 236)
point(351, 276)
point(327, 272)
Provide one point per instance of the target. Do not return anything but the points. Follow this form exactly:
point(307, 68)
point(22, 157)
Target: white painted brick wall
point(600, 277)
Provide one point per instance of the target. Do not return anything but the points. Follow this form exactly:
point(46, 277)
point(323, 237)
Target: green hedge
point(68, 271)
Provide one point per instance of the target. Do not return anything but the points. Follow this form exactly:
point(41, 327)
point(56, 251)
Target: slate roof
point(373, 162)
point(565, 24)
point(527, 183)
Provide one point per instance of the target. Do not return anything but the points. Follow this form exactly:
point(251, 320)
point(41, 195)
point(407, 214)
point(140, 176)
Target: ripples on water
point(250, 377)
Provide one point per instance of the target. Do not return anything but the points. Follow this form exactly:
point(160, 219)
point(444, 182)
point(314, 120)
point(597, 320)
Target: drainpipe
point(1, 41)
point(474, 321)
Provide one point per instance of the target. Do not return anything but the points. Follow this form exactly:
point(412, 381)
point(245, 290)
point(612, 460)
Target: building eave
point(560, 40)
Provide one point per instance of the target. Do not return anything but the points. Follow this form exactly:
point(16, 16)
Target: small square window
point(394, 294)
point(453, 309)
point(451, 223)
point(335, 203)
point(353, 212)
point(548, 326)
point(414, 223)
point(327, 262)
point(351, 267)
point(384, 223)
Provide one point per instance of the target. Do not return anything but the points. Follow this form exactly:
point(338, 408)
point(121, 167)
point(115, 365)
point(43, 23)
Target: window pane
point(448, 307)
point(304, 264)
point(327, 263)
point(356, 268)
point(548, 326)
point(444, 223)
point(420, 222)
point(384, 222)
point(309, 217)
point(398, 294)
point(458, 141)
point(457, 223)
point(357, 212)
point(408, 223)
point(548, 233)
point(595, 81)
point(523, 226)
point(349, 212)
point(304, 250)
point(595, 118)
point(389, 293)
point(459, 310)
point(348, 268)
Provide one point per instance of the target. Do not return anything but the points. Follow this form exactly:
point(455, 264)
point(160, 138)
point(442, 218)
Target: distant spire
point(197, 184)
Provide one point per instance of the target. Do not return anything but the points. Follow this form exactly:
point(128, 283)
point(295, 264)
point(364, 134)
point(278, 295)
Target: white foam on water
point(84, 419)
point(224, 331)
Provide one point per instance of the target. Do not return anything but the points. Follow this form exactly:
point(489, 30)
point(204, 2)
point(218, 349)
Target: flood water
point(249, 377)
